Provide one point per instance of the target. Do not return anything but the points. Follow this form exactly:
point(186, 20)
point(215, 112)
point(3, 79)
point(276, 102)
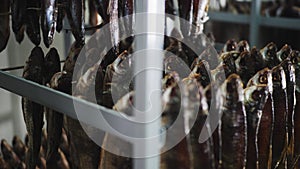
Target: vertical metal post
point(149, 30)
point(254, 22)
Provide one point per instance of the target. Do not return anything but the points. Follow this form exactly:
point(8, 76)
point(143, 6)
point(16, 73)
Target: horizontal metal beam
point(288, 23)
point(64, 103)
point(229, 17)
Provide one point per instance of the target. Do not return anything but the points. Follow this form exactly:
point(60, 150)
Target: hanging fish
point(19, 148)
point(195, 116)
point(243, 46)
point(61, 6)
point(185, 10)
point(102, 8)
point(289, 70)
point(10, 157)
point(4, 22)
point(200, 9)
point(269, 54)
point(32, 20)
point(18, 14)
point(52, 64)
point(234, 124)
point(72, 58)
point(93, 14)
point(48, 20)
point(279, 141)
point(75, 14)
point(3, 164)
point(295, 59)
point(33, 112)
point(259, 63)
point(113, 24)
point(63, 162)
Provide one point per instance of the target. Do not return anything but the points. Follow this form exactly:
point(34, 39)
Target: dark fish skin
point(18, 14)
point(102, 8)
point(295, 59)
point(10, 157)
point(243, 46)
point(52, 64)
point(269, 53)
point(63, 162)
point(199, 9)
point(33, 112)
point(245, 66)
point(230, 45)
point(280, 114)
point(64, 145)
point(72, 58)
point(113, 24)
point(4, 22)
point(201, 73)
point(32, 21)
point(19, 148)
point(54, 127)
point(61, 5)
point(260, 63)
point(229, 59)
point(233, 125)
point(289, 70)
point(185, 7)
point(48, 20)
point(75, 14)
point(255, 99)
point(195, 115)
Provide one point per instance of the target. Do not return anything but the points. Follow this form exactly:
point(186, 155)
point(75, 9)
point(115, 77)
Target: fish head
point(256, 96)
point(233, 89)
point(34, 68)
point(284, 52)
point(269, 53)
point(278, 77)
point(170, 79)
point(259, 61)
point(243, 46)
point(245, 65)
point(52, 64)
point(263, 76)
point(230, 45)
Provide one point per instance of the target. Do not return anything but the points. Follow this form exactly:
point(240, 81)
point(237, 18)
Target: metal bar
point(19, 67)
point(229, 17)
point(149, 28)
point(99, 117)
point(288, 23)
point(254, 22)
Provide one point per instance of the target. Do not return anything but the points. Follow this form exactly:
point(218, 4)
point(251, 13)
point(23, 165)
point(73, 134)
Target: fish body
point(75, 14)
point(243, 46)
point(18, 13)
point(61, 5)
point(32, 20)
point(48, 20)
point(269, 53)
point(233, 125)
point(33, 112)
point(102, 8)
point(19, 148)
point(4, 22)
point(10, 157)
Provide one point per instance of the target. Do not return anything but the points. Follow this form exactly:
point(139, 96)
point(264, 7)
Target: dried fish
point(102, 8)
point(201, 73)
point(284, 52)
point(93, 14)
point(52, 64)
point(230, 45)
point(75, 14)
point(233, 125)
point(61, 5)
point(279, 141)
point(256, 98)
point(243, 46)
point(195, 116)
point(33, 112)
point(32, 20)
point(48, 20)
point(4, 22)
point(245, 66)
point(3, 164)
point(18, 13)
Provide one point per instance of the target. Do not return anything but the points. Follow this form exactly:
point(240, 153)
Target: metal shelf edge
point(229, 17)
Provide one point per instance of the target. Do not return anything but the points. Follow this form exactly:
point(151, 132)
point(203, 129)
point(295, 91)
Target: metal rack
point(255, 20)
point(149, 36)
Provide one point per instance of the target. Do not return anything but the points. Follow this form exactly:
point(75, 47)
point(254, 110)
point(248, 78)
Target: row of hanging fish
point(46, 16)
point(258, 118)
point(14, 155)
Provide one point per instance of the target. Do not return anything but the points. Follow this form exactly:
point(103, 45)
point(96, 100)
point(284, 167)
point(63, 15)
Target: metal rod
point(19, 67)
point(98, 116)
point(149, 28)
point(254, 22)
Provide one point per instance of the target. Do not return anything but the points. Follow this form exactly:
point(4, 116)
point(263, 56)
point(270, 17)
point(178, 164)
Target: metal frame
point(255, 20)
